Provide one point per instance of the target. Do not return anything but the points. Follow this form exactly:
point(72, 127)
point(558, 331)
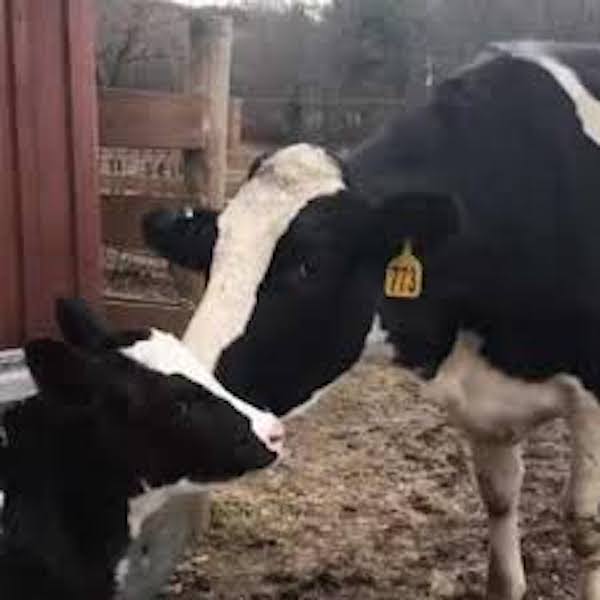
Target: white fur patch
point(1, 501)
point(377, 345)
point(249, 229)
point(16, 382)
point(587, 106)
point(121, 573)
point(166, 354)
point(492, 406)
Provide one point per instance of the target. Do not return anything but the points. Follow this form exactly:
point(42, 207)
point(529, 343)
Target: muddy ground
point(375, 501)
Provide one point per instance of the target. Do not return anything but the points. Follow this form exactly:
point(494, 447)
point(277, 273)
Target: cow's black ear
point(58, 368)
point(427, 218)
point(185, 237)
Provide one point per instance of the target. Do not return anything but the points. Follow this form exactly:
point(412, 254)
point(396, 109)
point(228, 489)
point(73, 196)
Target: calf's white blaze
point(248, 232)
point(166, 354)
point(587, 106)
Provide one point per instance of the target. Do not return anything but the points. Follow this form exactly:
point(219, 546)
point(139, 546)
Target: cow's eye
point(307, 269)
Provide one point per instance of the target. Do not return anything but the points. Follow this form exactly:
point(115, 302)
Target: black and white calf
point(484, 207)
point(103, 431)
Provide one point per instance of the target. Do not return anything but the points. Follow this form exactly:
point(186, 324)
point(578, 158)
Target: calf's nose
point(270, 430)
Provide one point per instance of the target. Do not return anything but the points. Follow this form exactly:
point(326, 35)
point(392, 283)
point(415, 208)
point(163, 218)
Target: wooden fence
point(188, 135)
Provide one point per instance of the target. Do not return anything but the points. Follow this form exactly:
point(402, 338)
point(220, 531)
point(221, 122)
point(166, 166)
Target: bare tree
point(137, 32)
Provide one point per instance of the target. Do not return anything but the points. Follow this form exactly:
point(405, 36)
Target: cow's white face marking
point(166, 354)
point(1, 501)
point(587, 106)
point(248, 232)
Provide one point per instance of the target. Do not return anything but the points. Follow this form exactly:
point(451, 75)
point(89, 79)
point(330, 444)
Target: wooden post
point(234, 135)
point(209, 75)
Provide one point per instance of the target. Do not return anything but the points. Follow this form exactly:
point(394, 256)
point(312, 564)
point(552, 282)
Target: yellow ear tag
point(404, 275)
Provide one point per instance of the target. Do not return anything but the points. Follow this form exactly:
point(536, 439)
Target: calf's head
point(103, 428)
point(178, 419)
point(296, 263)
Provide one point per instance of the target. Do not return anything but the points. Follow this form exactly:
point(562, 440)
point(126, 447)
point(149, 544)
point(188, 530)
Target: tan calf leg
point(499, 470)
point(583, 518)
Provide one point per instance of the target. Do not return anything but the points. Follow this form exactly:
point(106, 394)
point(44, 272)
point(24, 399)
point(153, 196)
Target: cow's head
point(176, 419)
point(296, 263)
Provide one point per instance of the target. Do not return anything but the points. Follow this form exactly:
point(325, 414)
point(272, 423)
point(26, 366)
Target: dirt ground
point(375, 501)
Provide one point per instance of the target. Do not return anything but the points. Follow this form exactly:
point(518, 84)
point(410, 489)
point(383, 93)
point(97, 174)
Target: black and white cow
point(493, 191)
point(101, 433)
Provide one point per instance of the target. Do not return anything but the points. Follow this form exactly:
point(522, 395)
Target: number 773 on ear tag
point(404, 275)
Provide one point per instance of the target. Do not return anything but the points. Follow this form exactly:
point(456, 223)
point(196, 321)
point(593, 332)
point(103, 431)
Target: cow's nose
point(271, 432)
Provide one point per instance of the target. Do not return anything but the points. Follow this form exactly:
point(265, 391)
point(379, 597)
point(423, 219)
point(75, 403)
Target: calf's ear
point(58, 368)
point(83, 328)
point(79, 325)
point(184, 237)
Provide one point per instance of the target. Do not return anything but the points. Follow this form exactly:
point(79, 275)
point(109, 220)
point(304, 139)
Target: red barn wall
point(49, 207)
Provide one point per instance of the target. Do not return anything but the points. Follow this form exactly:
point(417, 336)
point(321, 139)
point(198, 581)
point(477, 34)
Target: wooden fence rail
point(140, 119)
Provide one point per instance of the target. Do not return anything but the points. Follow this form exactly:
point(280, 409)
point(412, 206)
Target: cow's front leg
point(499, 470)
point(583, 519)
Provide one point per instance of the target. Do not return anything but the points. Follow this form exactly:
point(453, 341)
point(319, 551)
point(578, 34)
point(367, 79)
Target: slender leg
point(499, 470)
point(583, 519)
